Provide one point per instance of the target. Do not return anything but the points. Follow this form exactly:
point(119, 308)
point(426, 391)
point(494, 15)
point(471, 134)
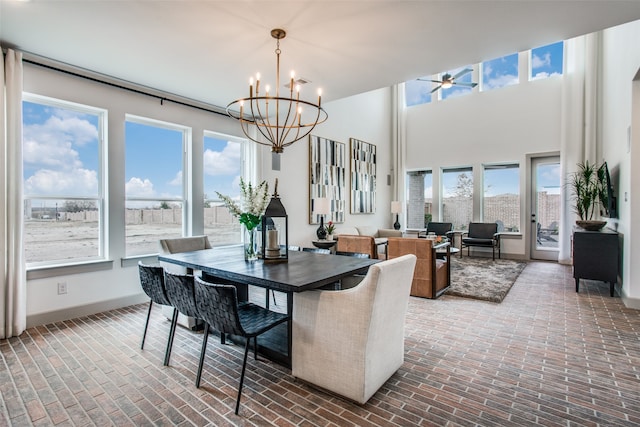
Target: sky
point(61, 157)
point(546, 61)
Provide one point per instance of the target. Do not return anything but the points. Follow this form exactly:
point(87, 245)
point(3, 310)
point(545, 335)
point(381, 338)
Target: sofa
point(380, 236)
point(432, 275)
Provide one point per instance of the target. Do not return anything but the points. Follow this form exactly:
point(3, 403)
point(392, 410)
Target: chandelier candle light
point(281, 121)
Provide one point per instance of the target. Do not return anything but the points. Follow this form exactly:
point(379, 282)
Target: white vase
point(329, 236)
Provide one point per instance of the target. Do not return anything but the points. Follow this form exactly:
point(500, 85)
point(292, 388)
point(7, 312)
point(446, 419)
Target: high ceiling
point(207, 50)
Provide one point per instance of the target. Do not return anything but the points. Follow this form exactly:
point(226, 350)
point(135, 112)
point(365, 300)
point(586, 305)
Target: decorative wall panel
point(363, 177)
point(327, 177)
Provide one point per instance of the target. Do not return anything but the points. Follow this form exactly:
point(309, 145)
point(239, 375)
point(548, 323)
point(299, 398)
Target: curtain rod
point(215, 110)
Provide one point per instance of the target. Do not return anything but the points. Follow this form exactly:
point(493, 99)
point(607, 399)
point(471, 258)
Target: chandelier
point(280, 120)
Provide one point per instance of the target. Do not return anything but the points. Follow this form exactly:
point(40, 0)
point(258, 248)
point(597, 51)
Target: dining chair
point(181, 293)
point(218, 307)
point(353, 254)
point(317, 250)
point(350, 342)
point(152, 282)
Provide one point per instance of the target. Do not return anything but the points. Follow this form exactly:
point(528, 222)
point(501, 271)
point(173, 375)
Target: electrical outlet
point(62, 288)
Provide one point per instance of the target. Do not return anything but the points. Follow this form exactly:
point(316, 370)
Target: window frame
point(101, 198)
point(186, 177)
point(501, 166)
point(443, 171)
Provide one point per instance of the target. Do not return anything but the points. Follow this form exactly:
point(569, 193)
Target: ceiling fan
point(448, 80)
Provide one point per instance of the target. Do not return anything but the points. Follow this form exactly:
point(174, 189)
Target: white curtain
point(13, 307)
point(579, 125)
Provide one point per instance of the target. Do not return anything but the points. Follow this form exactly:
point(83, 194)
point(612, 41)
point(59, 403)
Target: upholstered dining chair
point(350, 342)
point(181, 294)
point(152, 282)
point(218, 307)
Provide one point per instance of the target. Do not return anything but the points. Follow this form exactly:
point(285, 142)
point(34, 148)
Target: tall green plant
point(589, 188)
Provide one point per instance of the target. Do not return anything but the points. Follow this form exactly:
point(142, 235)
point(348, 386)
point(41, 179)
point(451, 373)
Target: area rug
point(483, 278)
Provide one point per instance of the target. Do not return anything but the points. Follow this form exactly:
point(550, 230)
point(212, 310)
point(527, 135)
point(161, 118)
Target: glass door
point(545, 206)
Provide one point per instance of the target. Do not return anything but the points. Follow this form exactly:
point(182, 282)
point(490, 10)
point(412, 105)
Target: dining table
point(301, 272)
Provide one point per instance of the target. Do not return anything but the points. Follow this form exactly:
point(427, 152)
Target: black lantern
point(274, 246)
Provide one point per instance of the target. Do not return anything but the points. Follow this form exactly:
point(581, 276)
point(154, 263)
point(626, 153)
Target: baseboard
point(629, 302)
point(84, 310)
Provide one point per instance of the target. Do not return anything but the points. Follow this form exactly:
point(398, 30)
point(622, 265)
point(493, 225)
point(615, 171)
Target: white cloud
point(501, 81)
point(544, 75)
point(225, 162)
point(544, 61)
point(49, 148)
point(137, 187)
point(56, 155)
point(177, 180)
point(487, 69)
point(75, 182)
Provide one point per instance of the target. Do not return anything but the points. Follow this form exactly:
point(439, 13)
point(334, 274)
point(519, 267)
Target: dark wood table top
point(303, 271)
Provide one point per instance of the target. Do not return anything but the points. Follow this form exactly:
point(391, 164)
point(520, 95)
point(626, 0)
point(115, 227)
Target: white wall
point(366, 117)
point(500, 125)
point(621, 63)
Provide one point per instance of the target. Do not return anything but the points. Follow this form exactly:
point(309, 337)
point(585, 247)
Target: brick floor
point(545, 355)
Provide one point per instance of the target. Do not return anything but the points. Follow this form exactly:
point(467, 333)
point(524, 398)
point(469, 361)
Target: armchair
point(432, 275)
point(481, 234)
point(439, 229)
point(351, 342)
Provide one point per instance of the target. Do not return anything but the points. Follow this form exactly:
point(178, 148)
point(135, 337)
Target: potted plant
point(589, 188)
point(330, 229)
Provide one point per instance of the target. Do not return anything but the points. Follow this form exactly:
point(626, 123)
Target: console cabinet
point(595, 256)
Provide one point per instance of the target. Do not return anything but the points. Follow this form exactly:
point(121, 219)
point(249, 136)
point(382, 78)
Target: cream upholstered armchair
point(351, 342)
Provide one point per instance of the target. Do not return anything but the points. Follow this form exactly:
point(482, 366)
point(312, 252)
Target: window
point(154, 184)
point(418, 91)
point(419, 199)
point(501, 199)
point(63, 181)
point(457, 89)
point(222, 168)
point(500, 72)
point(546, 61)
point(457, 197)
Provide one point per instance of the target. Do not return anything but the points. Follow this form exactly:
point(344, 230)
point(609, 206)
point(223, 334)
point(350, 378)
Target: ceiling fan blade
point(463, 72)
point(436, 88)
point(465, 84)
point(427, 80)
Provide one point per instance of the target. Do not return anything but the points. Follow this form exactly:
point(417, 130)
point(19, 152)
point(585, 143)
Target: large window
point(155, 187)
point(546, 61)
point(501, 198)
point(457, 197)
point(500, 72)
point(222, 165)
point(63, 181)
point(419, 196)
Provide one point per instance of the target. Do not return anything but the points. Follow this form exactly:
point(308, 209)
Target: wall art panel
point(327, 177)
point(363, 177)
